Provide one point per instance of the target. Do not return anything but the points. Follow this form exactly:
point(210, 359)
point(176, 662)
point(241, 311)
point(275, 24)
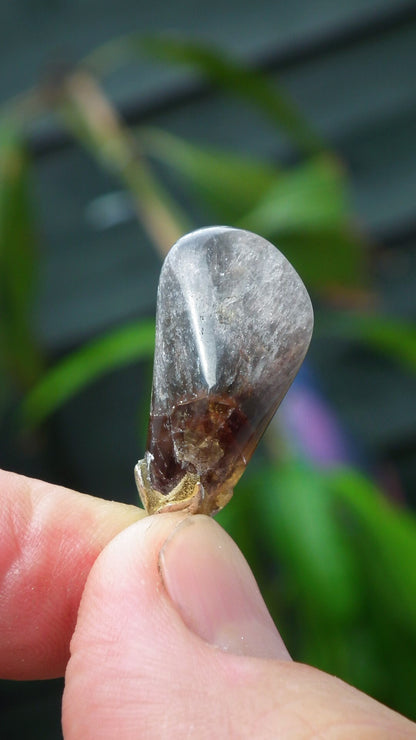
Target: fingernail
point(214, 590)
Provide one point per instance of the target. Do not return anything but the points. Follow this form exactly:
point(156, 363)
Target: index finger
point(49, 538)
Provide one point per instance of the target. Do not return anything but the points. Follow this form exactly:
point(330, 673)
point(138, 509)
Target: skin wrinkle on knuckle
point(17, 551)
point(24, 526)
point(49, 539)
point(23, 638)
point(366, 721)
point(281, 716)
point(16, 520)
point(284, 706)
point(342, 729)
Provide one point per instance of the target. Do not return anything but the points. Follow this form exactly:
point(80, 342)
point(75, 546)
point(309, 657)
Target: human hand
point(172, 638)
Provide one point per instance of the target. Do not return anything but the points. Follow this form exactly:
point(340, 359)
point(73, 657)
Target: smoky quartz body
point(233, 325)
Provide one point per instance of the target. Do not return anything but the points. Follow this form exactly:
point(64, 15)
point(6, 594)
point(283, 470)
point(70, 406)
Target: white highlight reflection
point(199, 296)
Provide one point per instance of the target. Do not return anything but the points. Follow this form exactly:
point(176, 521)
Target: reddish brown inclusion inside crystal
point(208, 435)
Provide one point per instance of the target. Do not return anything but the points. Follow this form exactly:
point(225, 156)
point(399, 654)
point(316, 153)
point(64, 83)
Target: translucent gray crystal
point(234, 322)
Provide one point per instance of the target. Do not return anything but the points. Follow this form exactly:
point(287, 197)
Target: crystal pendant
point(233, 325)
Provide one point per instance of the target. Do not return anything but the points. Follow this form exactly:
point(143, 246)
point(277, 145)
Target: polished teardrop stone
point(234, 322)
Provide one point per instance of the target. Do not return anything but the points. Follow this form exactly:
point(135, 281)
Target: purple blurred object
point(312, 427)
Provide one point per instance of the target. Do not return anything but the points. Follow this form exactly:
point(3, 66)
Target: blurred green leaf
point(388, 533)
point(326, 259)
point(235, 516)
point(311, 195)
point(304, 209)
point(19, 353)
point(229, 182)
point(306, 213)
point(311, 541)
point(240, 80)
point(84, 366)
point(299, 517)
point(220, 68)
point(393, 337)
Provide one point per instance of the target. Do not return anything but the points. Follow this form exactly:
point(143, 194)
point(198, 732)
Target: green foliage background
point(334, 557)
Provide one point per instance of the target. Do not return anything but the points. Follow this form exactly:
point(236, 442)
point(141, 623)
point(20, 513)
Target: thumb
point(213, 589)
point(173, 640)
point(163, 603)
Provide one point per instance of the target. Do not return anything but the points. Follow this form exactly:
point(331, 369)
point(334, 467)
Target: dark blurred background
point(124, 125)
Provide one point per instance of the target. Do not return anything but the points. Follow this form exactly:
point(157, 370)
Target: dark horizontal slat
point(312, 47)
